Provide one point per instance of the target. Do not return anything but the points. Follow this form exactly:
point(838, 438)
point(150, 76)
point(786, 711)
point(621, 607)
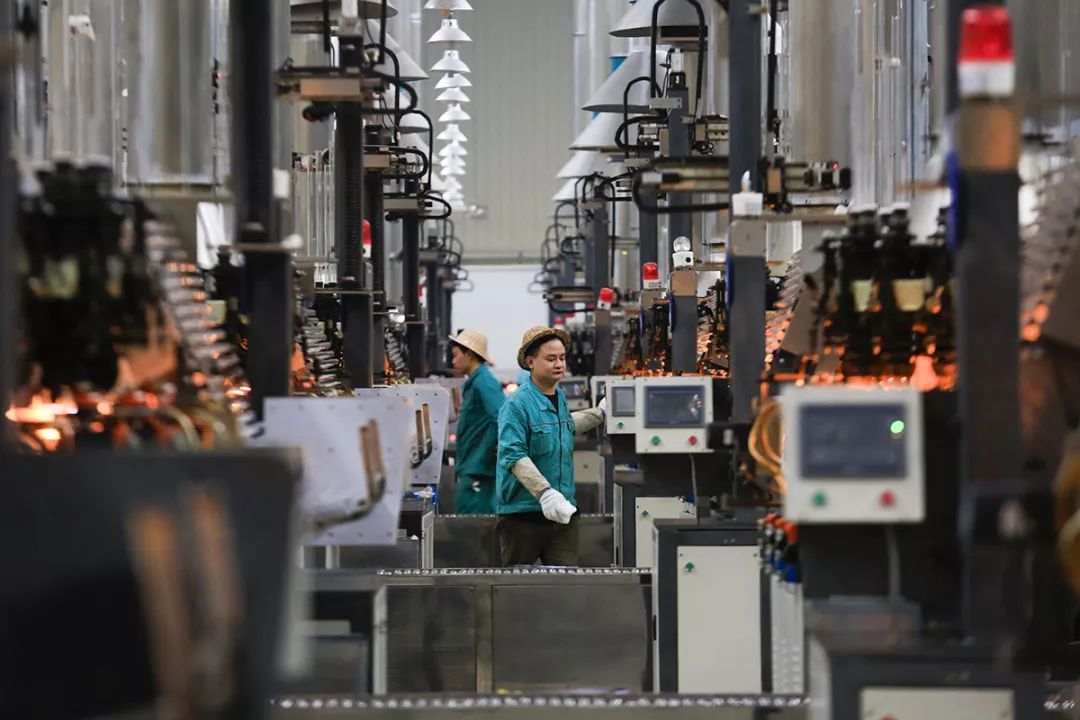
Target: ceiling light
point(412, 123)
point(452, 132)
point(454, 113)
point(676, 21)
point(455, 148)
point(450, 62)
point(447, 5)
point(453, 80)
point(311, 10)
point(451, 184)
point(599, 134)
point(451, 171)
point(449, 33)
point(568, 191)
point(608, 98)
point(583, 163)
point(453, 95)
point(454, 162)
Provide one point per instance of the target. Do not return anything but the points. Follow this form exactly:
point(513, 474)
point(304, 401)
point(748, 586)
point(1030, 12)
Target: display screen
point(574, 389)
point(851, 442)
point(677, 406)
point(622, 401)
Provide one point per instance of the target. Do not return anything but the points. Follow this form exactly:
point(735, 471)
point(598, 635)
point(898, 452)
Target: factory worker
point(535, 488)
point(477, 433)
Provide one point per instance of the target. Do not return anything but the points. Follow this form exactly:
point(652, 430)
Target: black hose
point(701, 47)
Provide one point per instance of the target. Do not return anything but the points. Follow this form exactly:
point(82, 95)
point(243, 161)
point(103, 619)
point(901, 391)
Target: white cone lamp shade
point(451, 132)
point(450, 62)
point(599, 135)
point(566, 192)
point(676, 21)
point(447, 5)
point(608, 98)
point(451, 184)
point(454, 113)
point(410, 69)
point(449, 33)
point(451, 194)
point(454, 149)
point(438, 184)
point(453, 95)
point(451, 171)
point(458, 204)
point(582, 163)
point(453, 162)
point(413, 123)
point(453, 80)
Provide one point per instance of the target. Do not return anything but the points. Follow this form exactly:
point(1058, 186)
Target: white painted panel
point(501, 306)
point(936, 704)
point(719, 606)
point(647, 511)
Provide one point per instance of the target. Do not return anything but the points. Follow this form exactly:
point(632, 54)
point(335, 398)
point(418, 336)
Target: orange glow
point(104, 407)
point(49, 437)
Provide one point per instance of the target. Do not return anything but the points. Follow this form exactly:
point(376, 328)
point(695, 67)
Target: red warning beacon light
point(650, 276)
point(986, 63)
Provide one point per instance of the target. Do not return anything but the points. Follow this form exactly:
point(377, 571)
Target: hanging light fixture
point(454, 113)
point(453, 80)
point(450, 62)
point(599, 134)
point(452, 5)
point(583, 163)
point(452, 162)
point(455, 149)
point(675, 21)
point(452, 132)
point(453, 95)
point(449, 171)
point(413, 123)
point(608, 98)
point(451, 184)
point(449, 33)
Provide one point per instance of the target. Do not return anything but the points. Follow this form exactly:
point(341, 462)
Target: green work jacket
point(530, 426)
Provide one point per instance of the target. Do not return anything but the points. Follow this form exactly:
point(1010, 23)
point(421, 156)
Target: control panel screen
point(622, 401)
point(850, 442)
point(679, 406)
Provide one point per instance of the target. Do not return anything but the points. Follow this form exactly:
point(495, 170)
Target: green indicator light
point(619, 425)
point(897, 427)
point(819, 499)
point(656, 440)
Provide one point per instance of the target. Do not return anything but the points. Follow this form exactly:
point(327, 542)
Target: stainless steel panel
point(570, 636)
point(168, 49)
point(430, 639)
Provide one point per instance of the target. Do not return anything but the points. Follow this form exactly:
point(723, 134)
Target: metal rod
point(679, 224)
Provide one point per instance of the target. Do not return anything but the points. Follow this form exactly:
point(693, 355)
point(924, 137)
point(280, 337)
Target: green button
point(655, 439)
point(688, 567)
point(644, 513)
point(619, 425)
point(819, 499)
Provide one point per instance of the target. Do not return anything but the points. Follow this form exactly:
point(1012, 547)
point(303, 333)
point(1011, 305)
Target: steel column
point(649, 231)
point(9, 297)
point(746, 275)
point(680, 223)
point(744, 90)
point(269, 265)
point(410, 270)
point(356, 302)
point(599, 269)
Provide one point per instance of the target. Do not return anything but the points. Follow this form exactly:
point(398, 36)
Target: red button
point(693, 439)
point(888, 499)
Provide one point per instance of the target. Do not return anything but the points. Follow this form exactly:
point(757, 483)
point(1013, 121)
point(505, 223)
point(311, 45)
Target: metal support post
point(744, 91)
point(376, 216)
point(357, 309)
point(649, 231)
point(684, 353)
point(434, 295)
point(269, 265)
point(679, 224)
point(746, 315)
point(410, 269)
point(600, 256)
point(9, 297)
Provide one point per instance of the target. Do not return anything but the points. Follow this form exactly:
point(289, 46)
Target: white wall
point(500, 306)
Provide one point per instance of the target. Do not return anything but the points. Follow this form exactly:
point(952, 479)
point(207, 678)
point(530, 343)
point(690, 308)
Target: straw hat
point(472, 340)
point(539, 334)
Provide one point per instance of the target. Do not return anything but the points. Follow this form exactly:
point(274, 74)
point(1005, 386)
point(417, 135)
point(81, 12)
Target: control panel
point(622, 406)
point(673, 414)
point(853, 455)
point(577, 393)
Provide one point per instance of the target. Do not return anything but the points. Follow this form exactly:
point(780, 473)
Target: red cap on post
point(605, 298)
point(559, 320)
point(986, 65)
point(366, 238)
point(650, 271)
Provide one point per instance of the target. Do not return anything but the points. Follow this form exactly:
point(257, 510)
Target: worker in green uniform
point(535, 481)
point(477, 434)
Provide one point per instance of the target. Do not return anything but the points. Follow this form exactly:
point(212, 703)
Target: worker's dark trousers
point(528, 537)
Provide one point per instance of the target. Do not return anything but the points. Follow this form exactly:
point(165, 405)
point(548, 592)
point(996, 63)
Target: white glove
point(602, 406)
point(556, 507)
